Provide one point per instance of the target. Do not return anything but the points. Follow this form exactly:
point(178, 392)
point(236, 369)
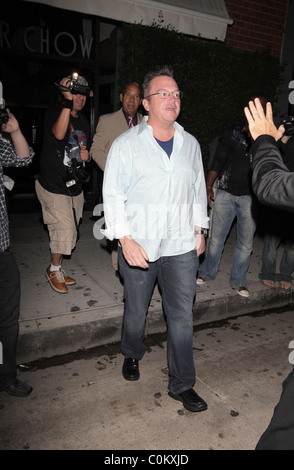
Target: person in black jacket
point(280, 232)
point(273, 184)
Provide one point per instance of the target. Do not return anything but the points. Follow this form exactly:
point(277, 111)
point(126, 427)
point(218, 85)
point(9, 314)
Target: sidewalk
point(90, 314)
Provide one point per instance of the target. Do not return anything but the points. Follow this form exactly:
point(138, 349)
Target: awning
point(204, 18)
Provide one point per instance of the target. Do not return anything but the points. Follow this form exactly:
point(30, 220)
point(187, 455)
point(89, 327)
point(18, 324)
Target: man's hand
point(20, 143)
point(211, 177)
point(65, 82)
point(134, 254)
point(200, 244)
point(210, 197)
point(259, 123)
point(84, 154)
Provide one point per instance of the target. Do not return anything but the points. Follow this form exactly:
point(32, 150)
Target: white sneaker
point(243, 291)
point(200, 281)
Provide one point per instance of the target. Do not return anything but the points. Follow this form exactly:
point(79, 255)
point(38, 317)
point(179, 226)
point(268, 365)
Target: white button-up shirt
point(156, 199)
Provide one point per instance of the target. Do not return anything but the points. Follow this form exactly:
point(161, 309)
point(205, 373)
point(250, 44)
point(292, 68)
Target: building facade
point(48, 40)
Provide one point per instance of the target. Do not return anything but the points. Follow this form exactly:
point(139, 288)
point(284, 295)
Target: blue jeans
point(225, 208)
point(176, 278)
point(269, 259)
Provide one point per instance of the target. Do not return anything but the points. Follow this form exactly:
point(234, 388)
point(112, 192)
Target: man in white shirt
point(155, 203)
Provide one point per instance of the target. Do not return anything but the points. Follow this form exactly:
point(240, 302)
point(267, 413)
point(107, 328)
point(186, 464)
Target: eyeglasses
point(164, 94)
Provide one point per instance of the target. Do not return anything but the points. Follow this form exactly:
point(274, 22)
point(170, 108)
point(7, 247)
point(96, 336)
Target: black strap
point(76, 222)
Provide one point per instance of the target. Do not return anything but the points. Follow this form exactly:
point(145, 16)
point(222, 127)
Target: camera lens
point(3, 116)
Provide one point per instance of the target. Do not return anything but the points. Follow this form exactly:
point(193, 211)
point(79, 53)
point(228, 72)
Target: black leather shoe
point(131, 369)
point(190, 400)
point(18, 389)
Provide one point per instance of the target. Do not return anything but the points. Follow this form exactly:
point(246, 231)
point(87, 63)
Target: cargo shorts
point(62, 215)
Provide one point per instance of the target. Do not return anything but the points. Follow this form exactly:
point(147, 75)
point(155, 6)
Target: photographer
point(278, 226)
point(272, 181)
point(62, 174)
point(273, 184)
point(13, 152)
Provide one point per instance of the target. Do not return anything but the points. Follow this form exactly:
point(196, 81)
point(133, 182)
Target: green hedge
point(216, 79)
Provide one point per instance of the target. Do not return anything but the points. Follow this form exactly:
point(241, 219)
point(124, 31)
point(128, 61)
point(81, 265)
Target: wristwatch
point(203, 231)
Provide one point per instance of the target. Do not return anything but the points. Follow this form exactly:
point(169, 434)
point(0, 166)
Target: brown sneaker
point(56, 280)
point(69, 281)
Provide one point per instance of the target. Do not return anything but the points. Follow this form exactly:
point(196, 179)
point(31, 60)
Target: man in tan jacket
point(109, 127)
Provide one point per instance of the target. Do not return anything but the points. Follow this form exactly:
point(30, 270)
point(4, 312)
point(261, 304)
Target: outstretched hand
point(260, 123)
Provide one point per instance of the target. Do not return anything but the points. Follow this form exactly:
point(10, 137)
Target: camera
point(76, 173)
point(3, 112)
point(77, 85)
point(3, 116)
point(289, 125)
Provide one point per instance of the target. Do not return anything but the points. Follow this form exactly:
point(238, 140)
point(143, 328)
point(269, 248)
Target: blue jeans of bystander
point(225, 208)
point(269, 259)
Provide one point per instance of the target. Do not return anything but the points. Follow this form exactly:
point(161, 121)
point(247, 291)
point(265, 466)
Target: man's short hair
point(129, 84)
point(164, 70)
